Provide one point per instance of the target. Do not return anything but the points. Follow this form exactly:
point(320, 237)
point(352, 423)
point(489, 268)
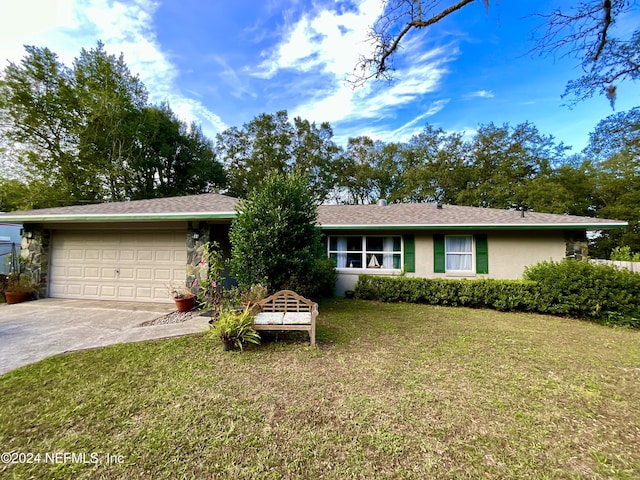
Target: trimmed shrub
point(275, 239)
point(579, 289)
point(504, 295)
point(582, 289)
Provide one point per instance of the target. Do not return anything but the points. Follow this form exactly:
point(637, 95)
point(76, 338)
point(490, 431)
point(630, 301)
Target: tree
point(586, 33)
point(618, 195)
point(435, 167)
point(358, 171)
point(39, 121)
point(504, 161)
point(275, 239)
point(270, 142)
point(565, 189)
point(583, 32)
point(616, 133)
point(614, 150)
point(314, 153)
point(172, 158)
point(87, 133)
point(109, 101)
point(400, 17)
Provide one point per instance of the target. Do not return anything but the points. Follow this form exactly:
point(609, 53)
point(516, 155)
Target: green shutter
point(438, 254)
point(482, 254)
point(409, 253)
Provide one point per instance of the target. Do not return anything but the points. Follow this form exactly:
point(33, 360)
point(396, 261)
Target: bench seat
point(286, 310)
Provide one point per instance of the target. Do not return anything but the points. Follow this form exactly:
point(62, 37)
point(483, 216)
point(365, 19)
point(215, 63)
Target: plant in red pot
point(19, 287)
point(183, 298)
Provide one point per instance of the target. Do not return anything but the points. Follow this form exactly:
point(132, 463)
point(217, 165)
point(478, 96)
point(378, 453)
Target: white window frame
point(364, 253)
point(471, 254)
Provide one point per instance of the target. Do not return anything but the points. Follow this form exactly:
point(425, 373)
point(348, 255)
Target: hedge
point(578, 289)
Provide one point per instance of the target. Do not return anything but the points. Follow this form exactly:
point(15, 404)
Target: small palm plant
point(235, 329)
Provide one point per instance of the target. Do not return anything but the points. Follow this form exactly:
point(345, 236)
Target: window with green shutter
point(438, 254)
point(409, 253)
point(454, 253)
point(482, 254)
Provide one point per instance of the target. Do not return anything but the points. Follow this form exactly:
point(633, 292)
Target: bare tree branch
point(606, 6)
point(405, 15)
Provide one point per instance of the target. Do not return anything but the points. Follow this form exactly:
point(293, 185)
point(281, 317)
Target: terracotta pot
point(185, 304)
point(15, 297)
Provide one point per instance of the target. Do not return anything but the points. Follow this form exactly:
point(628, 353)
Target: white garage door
point(124, 266)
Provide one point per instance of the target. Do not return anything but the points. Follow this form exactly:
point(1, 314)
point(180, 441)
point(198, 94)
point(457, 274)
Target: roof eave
point(133, 217)
point(480, 226)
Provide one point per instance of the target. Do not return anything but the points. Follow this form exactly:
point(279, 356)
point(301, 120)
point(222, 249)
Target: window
point(458, 253)
point(366, 252)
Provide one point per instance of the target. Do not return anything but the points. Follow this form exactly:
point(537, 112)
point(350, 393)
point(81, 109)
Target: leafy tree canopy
point(87, 133)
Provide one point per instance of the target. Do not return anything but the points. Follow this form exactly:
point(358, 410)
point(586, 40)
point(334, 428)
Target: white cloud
point(66, 26)
point(480, 94)
point(400, 134)
point(328, 43)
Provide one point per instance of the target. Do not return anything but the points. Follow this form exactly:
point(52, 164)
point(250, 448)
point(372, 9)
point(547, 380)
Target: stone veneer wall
point(202, 231)
point(35, 253)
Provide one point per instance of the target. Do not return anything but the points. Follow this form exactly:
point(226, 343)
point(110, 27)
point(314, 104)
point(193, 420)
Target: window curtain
point(342, 254)
point(457, 258)
point(387, 253)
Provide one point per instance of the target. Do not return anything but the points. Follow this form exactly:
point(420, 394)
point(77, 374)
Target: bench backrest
point(287, 301)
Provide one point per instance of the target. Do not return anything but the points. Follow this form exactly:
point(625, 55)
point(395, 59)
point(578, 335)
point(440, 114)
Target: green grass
point(393, 391)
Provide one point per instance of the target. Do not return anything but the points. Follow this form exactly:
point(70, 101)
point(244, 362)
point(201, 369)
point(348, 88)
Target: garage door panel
point(176, 276)
point(164, 256)
point(127, 255)
point(126, 274)
point(91, 290)
point(92, 272)
point(145, 256)
point(90, 255)
point(107, 292)
point(144, 274)
point(126, 291)
point(108, 273)
point(109, 255)
point(144, 293)
point(75, 254)
point(127, 266)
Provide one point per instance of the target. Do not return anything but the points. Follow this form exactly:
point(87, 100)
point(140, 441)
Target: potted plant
point(183, 298)
point(235, 329)
point(19, 287)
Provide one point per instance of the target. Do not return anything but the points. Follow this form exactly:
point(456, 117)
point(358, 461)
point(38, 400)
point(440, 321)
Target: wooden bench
point(286, 310)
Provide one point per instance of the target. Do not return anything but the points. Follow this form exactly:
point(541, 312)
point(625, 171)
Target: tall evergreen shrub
point(275, 239)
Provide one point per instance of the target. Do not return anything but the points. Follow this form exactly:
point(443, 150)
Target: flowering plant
point(209, 276)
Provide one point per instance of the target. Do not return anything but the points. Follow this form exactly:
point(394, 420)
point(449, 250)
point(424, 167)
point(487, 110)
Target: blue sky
point(221, 63)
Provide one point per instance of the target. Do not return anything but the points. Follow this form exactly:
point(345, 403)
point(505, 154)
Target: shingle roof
point(206, 205)
point(336, 217)
point(429, 216)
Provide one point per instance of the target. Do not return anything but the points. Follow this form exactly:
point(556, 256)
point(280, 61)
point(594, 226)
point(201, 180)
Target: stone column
point(34, 255)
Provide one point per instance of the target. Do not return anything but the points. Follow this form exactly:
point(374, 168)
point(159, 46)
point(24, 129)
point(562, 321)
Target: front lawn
point(393, 391)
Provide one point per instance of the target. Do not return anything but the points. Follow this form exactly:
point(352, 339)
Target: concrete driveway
point(31, 331)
